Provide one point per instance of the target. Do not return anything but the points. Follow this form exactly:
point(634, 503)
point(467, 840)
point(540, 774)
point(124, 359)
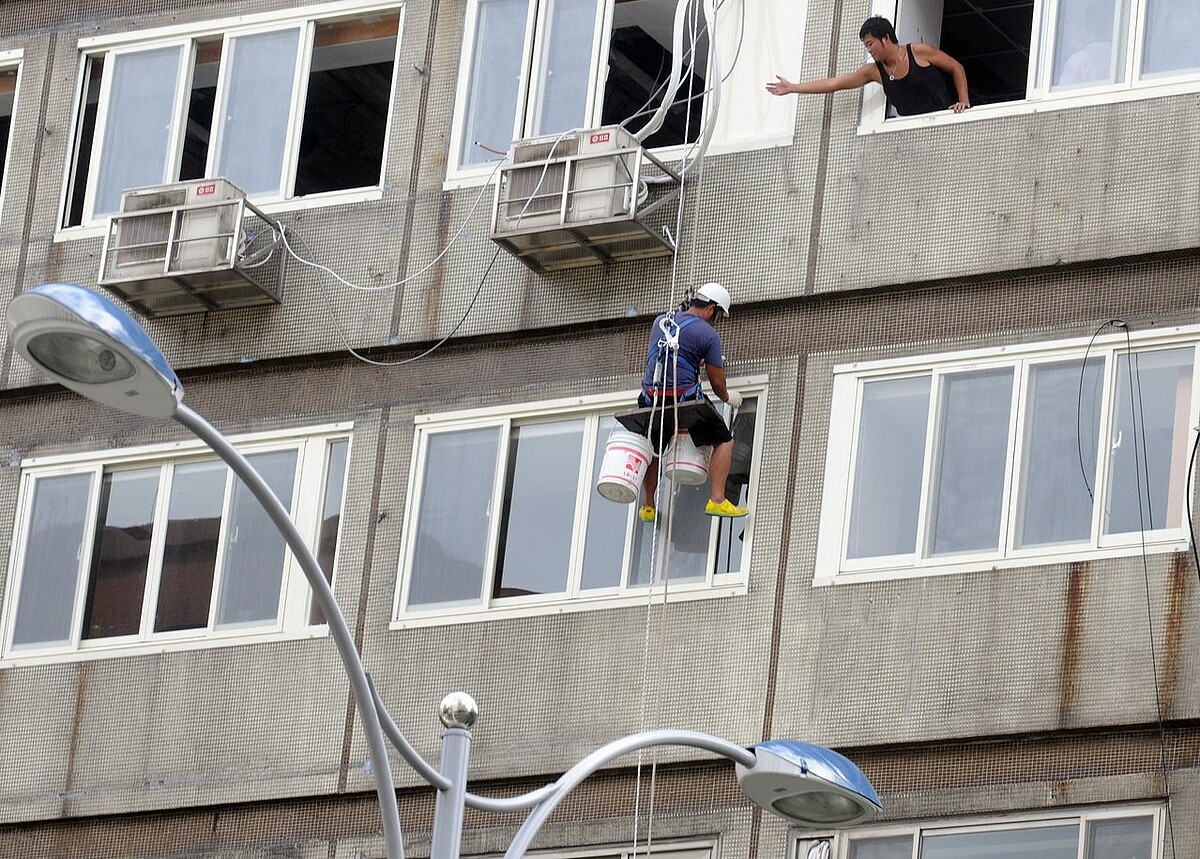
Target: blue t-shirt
point(698, 341)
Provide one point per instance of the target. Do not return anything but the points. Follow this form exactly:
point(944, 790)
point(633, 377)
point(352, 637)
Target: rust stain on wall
point(1181, 574)
point(1072, 639)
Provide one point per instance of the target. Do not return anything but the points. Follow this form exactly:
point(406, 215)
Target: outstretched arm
point(860, 77)
point(941, 60)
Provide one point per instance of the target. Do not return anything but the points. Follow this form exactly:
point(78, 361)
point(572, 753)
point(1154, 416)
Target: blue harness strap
point(668, 344)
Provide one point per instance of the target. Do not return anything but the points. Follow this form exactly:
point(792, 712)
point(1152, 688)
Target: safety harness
point(667, 347)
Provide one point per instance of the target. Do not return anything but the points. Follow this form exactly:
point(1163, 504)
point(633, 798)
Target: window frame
point(1082, 816)
point(573, 598)
point(306, 18)
point(1040, 97)
point(532, 55)
point(309, 481)
point(10, 60)
point(832, 565)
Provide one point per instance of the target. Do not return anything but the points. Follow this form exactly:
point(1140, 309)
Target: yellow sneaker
point(726, 509)
point(647, 513)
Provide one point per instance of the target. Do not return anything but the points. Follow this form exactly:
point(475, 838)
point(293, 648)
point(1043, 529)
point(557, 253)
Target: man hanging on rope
point(673, 376)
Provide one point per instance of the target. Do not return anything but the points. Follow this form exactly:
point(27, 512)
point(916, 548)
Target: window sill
point(1041, 559)
point(678, 592)
point(296, 204)
point(873, 121)
point(210, 641)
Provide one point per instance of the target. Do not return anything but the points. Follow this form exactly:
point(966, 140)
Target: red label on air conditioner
point(205, 190)
point(600, 137)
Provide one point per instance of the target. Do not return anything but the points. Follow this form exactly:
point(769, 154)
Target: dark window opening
point(991, 39)
point(346, 110)
point(85, 136)
point(8, 95)
point(639, 67)
point(201, 100)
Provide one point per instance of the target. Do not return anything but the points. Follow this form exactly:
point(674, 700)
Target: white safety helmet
point(714, 292)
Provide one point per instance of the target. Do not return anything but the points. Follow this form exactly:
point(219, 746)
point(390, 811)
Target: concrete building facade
point(967, 345)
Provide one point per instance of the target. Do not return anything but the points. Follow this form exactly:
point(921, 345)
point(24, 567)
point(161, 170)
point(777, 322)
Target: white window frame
point(312, 445)
point(663, 850)
point(748, 120)
point(843, 841)
point(690, 849)
point(11, 60)
point(1039, 96)
point(306, 18)
point(832, 566)
point(574, 599)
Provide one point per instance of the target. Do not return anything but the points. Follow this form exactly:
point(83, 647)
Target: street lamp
point(84, 341)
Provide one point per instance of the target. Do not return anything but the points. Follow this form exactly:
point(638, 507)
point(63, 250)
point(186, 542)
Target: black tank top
point(923, 90)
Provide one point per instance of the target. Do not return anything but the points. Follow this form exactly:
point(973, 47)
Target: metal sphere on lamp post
point(87, 343)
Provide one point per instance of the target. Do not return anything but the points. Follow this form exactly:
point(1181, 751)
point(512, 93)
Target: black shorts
point(703, 422)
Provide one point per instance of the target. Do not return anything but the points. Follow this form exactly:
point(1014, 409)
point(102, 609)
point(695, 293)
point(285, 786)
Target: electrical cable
point(1115, 323)
point(1135, 412)
point(361, 357)
point(393, 285)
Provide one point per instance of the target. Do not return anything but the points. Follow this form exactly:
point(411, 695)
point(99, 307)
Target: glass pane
point(1087, 32)
point(1058, 474)
point(1042, 842)
point(891, 847)
point(539, 509)
point(1127, 838)
point(50, 577)
point(731, 532)
point(1170, 29)
point(138, 124)
point(1148, 450)
point(346, 109)
point(258, 102)
point(190, 550)
point(972, 452)
point(252, 569)
point(122, 552)
point(494, 80)
point(889, 464)
point(454, 516)
point(331, 517)
point(569, 29)
point(607, 525)
point(689, 535)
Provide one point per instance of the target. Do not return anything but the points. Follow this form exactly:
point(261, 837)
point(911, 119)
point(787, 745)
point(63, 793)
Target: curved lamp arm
point(439, 781)
point(338, 630)
point(576, 774)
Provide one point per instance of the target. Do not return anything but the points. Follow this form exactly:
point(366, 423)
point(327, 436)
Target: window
point(159, 546)
point(503, 513)
point(8, 99)
point(287, 108)
point(1036, 49)
point(538, 67)
point(1101, 833)
point(966, 460)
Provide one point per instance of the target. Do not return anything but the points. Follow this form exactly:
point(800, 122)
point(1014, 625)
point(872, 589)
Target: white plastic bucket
point(685, 463)
point(626, 458)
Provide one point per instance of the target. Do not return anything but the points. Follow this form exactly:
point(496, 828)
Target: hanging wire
point(1137, 419)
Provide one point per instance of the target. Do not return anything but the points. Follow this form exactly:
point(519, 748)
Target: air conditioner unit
point(536, 191)
point(578, 199)
point(184, 248)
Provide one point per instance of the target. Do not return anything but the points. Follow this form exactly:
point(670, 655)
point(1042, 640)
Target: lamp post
point(84, 341)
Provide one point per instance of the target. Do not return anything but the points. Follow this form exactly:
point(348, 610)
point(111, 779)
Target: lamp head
point(808, 785)
point(87, 343)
